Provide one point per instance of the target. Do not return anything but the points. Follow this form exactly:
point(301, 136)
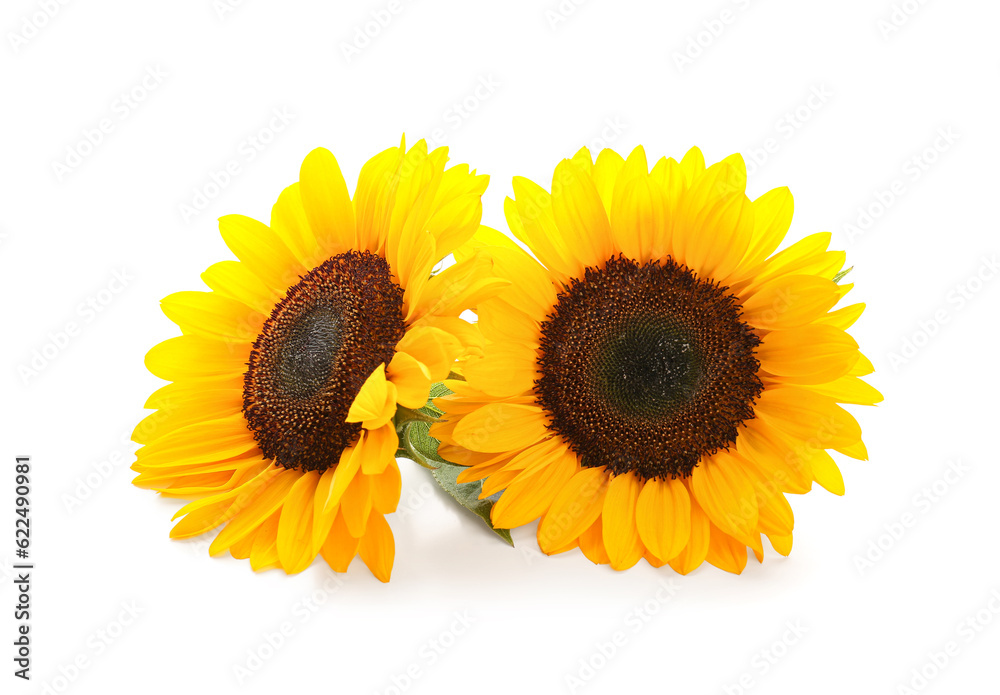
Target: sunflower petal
point(574, 509)
point(621, 535)
point(378, 549)
point(327, 203)
point(663, 517)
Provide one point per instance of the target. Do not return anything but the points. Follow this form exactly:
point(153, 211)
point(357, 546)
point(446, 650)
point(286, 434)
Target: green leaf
point(416, 444)
point(467, 495)
point(842, 274)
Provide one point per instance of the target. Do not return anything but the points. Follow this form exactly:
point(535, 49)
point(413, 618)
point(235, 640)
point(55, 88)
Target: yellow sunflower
point(289, 372)
point(659, 378)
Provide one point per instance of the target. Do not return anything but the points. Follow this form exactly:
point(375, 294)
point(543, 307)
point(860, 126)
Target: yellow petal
point(500, 321)
point(433, 347)
point(380, 447)
point(531, 289)
point(501, 427)
point(725, 552)
point(213, 316)
point(455, 221)
point(621, 536)
point(324, 507)
point(697, 548)
point(484, 237)
point(327, 203)
point(592, 544)
point(580, 215)
point(375, 198)
point(505, 369)
point(201, 442)
point(200, 520)
point(781, 544)
point(412, 379)
point(765, 449)
point(386, 487)
point(340, 546)
point(254, 506)
point(264, 553)
point(531, 220)
point(375, 403)
point(849, 389)
point(605, 173)
point(294, 540)
point(356, 504)
point(639, 218)
point(663, 517)
point(692, 165)
point(771, 219)
point(843, 318)
point(190, 356)
point(812, 354)
point(826, 473)
point(458, 288)
point(377, 548)
point(290, 223)
point(177, 407)
point(808, 417)
point(235, 280)
point(574, 509)
point(714, 223)
point(856, 450)
point(726, 494)
point(790, 301)
point(261, 251)
point(347, 468)
point(531, 493)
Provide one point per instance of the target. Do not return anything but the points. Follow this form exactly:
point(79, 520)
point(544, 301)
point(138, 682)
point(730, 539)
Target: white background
point(604, 73)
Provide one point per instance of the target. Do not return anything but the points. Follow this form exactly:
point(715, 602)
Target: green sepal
point(842, 274)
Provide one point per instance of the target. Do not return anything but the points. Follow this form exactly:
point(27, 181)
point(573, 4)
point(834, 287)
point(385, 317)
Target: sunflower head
point(656, 377)
point(290, 369)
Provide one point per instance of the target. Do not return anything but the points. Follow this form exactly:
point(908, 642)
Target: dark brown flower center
point(331, 330)
point(647, 368)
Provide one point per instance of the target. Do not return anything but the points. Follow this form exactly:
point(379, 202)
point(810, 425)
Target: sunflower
point(289, 372)
point(656, 381)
